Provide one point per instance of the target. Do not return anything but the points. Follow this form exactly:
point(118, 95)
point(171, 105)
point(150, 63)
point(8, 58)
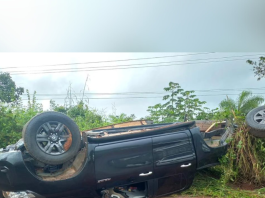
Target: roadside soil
point(245, 186)
point(181, 196)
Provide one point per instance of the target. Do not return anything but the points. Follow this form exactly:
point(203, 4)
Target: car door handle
point(185, 165)
point(146, 174)
point(3, 169)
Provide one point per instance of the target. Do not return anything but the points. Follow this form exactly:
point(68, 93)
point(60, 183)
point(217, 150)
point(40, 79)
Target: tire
point(52, 138)
point(255, 120)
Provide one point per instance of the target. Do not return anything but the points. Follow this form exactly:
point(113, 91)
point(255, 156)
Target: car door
point(174, 162)
point(121, 163)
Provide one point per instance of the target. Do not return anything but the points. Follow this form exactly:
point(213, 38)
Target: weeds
point(207, 185)
point(245, 159)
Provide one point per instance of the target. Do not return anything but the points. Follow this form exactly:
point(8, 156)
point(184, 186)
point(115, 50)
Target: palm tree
point(244, 103)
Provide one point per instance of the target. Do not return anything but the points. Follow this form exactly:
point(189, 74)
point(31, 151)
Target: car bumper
point(14, 174)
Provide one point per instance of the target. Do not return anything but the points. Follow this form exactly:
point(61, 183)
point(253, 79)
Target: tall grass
point(245, 159)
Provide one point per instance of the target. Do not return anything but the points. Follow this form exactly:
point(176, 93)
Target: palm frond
point(251, 103)
point(243, 98)
point(227, 104)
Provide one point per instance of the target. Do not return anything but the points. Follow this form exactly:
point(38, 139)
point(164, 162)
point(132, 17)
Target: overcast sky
point(131, 26)
point(208, 71)
point(75, 26)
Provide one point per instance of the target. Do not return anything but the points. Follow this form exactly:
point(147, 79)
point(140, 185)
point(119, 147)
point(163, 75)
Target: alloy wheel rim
point(53, 138)
point(259, 117)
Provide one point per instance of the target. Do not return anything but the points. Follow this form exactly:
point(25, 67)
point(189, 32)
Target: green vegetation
point(258, 68)
point(180, 105)
point(8, 90)
point(208, 184)
point(244, 161)
point(15, 115)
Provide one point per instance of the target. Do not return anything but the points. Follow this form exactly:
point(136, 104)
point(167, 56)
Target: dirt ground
point(180, 196)
point(245, 186)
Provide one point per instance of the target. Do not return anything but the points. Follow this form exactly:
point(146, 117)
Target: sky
point(204, 72)
point(131, 26)
point(51, 35)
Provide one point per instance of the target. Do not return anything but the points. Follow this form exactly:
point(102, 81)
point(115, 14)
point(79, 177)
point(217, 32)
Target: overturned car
point(138, 159)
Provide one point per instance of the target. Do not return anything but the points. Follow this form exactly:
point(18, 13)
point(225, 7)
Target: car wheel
point(255, 119)
point(52, 138)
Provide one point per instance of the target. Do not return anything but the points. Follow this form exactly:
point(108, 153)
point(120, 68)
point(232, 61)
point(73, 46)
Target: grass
point(206, 184)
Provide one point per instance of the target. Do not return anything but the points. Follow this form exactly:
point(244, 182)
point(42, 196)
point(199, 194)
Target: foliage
point(13, 117)
point(230, 109)
point(180, 105)
point(158, 114)
point(258, 68)
point(9, 128)
point(89, 118)
point(245, 159)
point(114, 119)
point(170, 107)
point(8, 90)
point(58, 108)
point(206, 184)
point(207, 114)
point(188, 106)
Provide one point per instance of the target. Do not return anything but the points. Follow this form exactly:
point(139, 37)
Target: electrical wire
point(133, 97)
point(113, 68)
point(144, 93)
point(109, 61)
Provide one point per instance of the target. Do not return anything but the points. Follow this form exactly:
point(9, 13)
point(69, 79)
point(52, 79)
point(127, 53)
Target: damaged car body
point(142, 160)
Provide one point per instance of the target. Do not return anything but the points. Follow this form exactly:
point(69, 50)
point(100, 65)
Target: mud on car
point(134, 159)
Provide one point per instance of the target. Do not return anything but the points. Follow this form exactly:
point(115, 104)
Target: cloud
point(214, 75)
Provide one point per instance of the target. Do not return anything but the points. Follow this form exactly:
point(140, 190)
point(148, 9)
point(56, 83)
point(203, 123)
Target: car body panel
point(171, 153)
point(123, 162)
point(206, 156)
point(174, 162)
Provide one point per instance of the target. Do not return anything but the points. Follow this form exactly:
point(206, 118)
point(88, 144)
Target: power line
point(143, 93)
point(94, 98)
point(109, 61)
point(116, 68)
point(147, 93)
point(136, 97)
point(110, 66)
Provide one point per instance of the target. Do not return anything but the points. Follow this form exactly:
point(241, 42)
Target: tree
point(180, 106)
point(8, 90)
point(170, 105)
point(241, 106)
point(188, 106)
point(207, 114)
point(157, 113)
point(258, 68)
